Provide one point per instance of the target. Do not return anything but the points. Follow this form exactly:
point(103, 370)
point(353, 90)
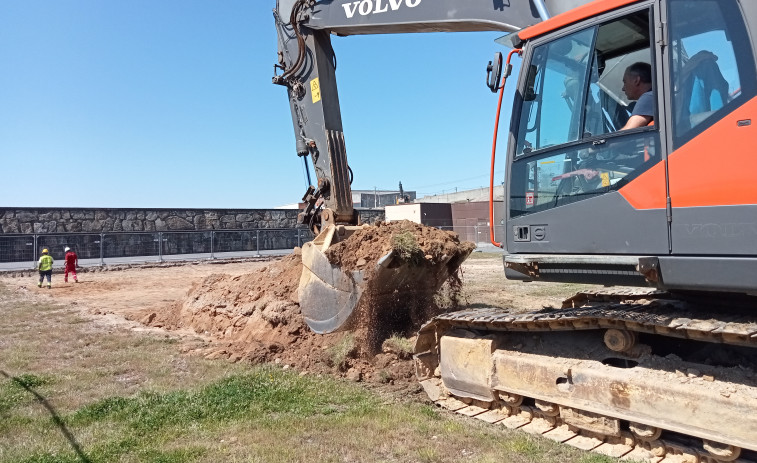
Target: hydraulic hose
point(300, 40)
point(494, 147)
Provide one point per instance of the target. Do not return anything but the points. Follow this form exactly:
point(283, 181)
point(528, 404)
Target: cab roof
point(569, 17)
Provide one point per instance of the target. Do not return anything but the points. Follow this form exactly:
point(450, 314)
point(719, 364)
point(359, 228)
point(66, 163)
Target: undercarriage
point(641, 375)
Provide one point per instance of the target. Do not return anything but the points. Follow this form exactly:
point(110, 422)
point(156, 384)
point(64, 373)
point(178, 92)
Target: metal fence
point(96, 248)
point(478, 234)
point(22, 251)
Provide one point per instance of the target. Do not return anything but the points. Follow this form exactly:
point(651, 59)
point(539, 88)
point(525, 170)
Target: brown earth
point(411, 241)
point(248, 311)
point(256, 317)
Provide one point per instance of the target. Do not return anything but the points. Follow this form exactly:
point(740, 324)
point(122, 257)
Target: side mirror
point(494, 72)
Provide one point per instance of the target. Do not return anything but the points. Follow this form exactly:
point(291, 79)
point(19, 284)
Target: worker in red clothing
point(71, 262)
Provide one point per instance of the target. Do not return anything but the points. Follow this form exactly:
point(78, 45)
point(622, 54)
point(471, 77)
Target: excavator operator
point(637, 85)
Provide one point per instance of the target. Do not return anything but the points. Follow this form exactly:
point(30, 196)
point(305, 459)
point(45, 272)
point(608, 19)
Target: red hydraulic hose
point(494, 149)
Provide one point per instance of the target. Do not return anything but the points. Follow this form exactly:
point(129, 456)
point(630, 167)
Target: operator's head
point(637, 80)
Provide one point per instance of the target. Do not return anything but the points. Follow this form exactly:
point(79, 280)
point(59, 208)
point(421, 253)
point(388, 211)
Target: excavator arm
point(306, 67)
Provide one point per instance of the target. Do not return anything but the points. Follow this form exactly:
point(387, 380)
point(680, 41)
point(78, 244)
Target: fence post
point(102, 249)
point(299, 238)
point(257, 243)
point(475, 233)
point(160, 246)
point(36, 253)
point(212, 238)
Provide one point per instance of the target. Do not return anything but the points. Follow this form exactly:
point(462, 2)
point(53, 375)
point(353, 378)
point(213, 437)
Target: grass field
point(75, 390)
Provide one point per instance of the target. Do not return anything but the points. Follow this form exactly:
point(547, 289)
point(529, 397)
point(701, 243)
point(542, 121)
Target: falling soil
point(401, 294)
point(256, 317)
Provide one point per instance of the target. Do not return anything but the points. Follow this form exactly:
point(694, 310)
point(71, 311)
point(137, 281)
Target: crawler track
point(637, 375)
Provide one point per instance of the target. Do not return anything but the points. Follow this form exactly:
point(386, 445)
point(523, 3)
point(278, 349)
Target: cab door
point(712, 166)
point(570, 162)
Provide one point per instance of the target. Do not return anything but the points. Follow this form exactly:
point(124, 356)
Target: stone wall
point(94, 220)
point(116, 233)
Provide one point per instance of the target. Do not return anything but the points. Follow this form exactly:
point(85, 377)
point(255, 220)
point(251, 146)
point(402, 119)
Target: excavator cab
point(589, 202)
point(567, 151)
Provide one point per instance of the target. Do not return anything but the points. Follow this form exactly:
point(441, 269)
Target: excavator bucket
point(331, 297)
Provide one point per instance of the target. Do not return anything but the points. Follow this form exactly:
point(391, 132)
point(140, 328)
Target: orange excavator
point(663, 371)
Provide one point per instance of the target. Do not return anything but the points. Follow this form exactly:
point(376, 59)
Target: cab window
point(551, 110)
point(710, 75)
point(570, 145)
point(619, 45)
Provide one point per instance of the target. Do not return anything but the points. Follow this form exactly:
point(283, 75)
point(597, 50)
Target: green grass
point(74, 390)
point(267, 390)
point(595, 458)
point(268, 415)
point(143, 427)
point(399, 344)
point(342, 351)
point(524, 445)
point(406, 246)
point(14, 391)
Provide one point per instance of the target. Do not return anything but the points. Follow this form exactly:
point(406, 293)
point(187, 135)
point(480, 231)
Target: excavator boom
point(306, 67)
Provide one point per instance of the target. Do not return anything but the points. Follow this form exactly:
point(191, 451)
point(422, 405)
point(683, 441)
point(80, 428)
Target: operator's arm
point(643, 112)
point(637, 121)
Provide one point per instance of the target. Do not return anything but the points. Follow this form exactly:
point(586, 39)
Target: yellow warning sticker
point(315, 90)
point(605, 178)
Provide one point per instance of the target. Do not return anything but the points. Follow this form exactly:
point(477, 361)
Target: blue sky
point(170, 104)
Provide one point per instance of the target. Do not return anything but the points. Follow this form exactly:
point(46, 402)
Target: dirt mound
point(256, 317)
point(410, 240)
point(255, 309)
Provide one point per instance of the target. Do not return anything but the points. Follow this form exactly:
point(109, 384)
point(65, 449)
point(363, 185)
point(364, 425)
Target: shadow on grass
point(53, 414)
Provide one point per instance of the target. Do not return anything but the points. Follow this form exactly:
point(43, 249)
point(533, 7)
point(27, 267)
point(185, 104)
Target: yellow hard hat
point(44, 251)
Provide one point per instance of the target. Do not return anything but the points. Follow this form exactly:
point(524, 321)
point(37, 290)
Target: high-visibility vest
point(45, 263)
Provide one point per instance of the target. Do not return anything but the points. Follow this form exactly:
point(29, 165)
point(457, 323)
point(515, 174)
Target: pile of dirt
point(257, 314)
point(411, 241)
point(256, 317)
